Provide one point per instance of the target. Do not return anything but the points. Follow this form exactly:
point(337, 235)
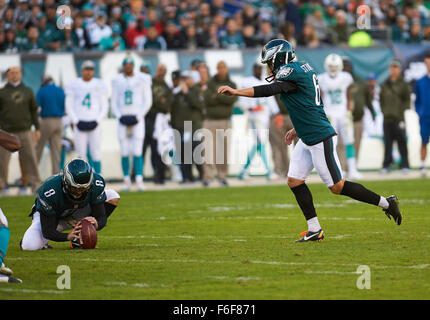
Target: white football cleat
point(273, 177)
point(5, 270)
point(126, 184)
point(355, 175)
point(140, 186)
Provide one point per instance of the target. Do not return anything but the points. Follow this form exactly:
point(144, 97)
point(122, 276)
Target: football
point(88, 235)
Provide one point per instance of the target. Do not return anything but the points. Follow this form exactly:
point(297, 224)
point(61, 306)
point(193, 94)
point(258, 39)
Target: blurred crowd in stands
point(33, 25)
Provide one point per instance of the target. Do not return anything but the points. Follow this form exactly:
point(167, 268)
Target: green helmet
point(77, 179)
point(277, 53)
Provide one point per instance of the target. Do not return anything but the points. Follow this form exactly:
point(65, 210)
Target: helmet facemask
point(74, 189)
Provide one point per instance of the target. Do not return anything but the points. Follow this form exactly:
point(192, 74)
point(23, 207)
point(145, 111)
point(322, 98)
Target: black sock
point(305, 201)
point(109, 208)
point(359, 192)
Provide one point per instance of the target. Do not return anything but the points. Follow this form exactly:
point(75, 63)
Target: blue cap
point(372, 76)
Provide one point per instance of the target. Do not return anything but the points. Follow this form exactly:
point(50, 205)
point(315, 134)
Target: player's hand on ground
point(93, 221)
point(226, 90)
point(290, 136)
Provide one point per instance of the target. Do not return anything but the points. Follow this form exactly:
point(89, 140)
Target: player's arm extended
point(49, 229)
point(265, 90)
point(9, 142)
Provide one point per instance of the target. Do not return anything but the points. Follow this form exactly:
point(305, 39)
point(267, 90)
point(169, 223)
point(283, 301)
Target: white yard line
point(20, 290)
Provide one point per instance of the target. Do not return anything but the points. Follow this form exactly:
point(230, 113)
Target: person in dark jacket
point(219, 109)
point(395, 98)
point(181, 120)
point(161, 103)
point(18, 113)
point(50, 99)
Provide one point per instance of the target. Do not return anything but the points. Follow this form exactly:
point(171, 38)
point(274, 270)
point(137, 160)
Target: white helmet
point(333, 64)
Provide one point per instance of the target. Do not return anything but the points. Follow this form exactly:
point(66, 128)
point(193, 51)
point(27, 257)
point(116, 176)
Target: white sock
point(313, 224)
point(352, 164)
point(423, 164)
point(139, 179)
point(127, 180)
point(383, 203)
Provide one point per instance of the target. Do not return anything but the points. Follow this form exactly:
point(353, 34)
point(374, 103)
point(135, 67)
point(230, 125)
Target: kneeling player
point(63, 200)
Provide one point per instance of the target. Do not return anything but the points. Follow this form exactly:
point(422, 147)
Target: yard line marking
point(31, 291)
point(235, 279)
point(125, 284)
point(331, 272)
point(284, 263)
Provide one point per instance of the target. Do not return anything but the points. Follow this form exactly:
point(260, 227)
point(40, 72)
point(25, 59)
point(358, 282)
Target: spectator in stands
point(287, 32)
point(18, 113)
point(114, 42)
point(34, 44)
point(50, 98)
point(191, 38)
point(395, 98)
point(316, 20)
point(151, 41)
point(266, 33)
point(400, 31)
point(161, 103)
point(115, 18)
point(98, 30)
point(10, 45)
point(79, 33)
point(219, 110)
point(308, 37)
point(339, 31)
point(22, 12)
point(135, 32)
point(8, 18)
point(250, 37)
point(174, 39)
point(152, 19)
point(422, 107)
point(20, 33)
point(204, 15)
point(415, 35)
point(2, 40)
point(231, 38)
point(132, 16)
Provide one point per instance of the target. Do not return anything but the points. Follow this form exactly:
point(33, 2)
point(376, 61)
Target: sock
point(125, 164)
point(90, 159)
point(97, 166)
point(383, 203)
point(249, 159)
point(313, 224)
point(138, 165)
point(423, 163)
point(139, 178)
point(109, 208)
point(359, 192)
point(304, 199)
point(4, 241)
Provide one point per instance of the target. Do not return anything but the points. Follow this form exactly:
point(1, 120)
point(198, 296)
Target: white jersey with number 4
point(131, 95)
point(335, 93)
point(86, 100)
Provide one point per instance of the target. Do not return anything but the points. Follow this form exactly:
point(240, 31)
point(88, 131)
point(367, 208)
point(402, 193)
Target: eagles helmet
point(275, 54)
point(77, 179)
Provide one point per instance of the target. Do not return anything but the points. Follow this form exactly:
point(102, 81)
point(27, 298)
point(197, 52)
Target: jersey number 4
point(87, 101)
point(317, 90)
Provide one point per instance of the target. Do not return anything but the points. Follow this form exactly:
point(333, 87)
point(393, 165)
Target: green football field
point(235, 243)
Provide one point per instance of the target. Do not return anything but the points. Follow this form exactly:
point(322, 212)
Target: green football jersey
point(305, 106)
point(52, 200)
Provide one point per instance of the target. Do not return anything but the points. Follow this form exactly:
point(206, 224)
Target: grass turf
point(234, 243)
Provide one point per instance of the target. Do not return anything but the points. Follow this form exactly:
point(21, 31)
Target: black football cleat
point(317, 236)
point(9, 279)
point(393, 209)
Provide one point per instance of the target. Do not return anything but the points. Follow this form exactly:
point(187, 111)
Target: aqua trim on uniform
point(350, 151)
point(125, 165)
point(4, 241)
point(97, 166)
point(138, 165)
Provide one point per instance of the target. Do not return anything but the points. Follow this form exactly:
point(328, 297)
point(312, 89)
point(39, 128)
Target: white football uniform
point(259, 120)
point(87, 101)
point(131, 96)
point(335, 101)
